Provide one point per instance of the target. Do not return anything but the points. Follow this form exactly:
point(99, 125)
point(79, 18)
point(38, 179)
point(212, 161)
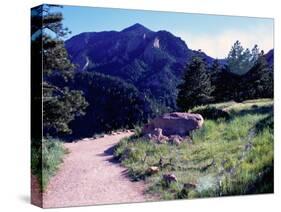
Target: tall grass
point(45, 159)
point(230, 156)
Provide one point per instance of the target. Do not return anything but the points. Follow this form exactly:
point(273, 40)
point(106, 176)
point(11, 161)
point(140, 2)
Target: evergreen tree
point(259, 80)
point(216, 73)
point(226, 84)
point(60, 105)
point(241, 60)
point(196, 86)
point(234, 57)
point(255, 53)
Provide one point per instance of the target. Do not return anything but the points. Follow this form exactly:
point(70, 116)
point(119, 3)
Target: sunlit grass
point(227, 157)
point(46, 159)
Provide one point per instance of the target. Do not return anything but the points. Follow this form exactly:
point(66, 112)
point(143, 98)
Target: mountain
point(131, 76)
point(151, 61)
point(270, 57)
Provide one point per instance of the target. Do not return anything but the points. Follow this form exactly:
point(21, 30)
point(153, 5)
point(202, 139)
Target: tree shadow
point(228, 116)
point(115, 160)
point(266, 122)
point(110, 152)
point(253, 110)
point(213, 113)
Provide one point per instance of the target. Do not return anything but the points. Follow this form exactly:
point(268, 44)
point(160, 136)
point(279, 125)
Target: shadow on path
point(110, 152)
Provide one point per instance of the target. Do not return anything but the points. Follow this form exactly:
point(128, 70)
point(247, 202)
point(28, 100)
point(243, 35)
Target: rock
point(189, 186)
point(174, 124)
point(163, 140)
point(187, 189)
point(169, 178)
point(86, 139)
point(152, 170)
point(157, 132)
point(157, 136)
point(188, 139)
point(175, 139)
point(148, 136)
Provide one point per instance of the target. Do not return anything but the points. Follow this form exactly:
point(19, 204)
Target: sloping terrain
point(231, 155)
point(151, 61)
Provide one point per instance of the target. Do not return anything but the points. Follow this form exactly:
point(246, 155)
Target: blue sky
point(213, 34)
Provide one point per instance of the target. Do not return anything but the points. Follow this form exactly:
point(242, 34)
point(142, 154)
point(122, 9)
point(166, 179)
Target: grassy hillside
point(231, 155)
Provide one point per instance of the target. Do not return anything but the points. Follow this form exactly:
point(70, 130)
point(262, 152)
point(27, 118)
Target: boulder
point(174, 124)
point(189, 186)
point(169, 178)
point(152, 170)
point(175, 139)
point(157, 136)
point(86, 139)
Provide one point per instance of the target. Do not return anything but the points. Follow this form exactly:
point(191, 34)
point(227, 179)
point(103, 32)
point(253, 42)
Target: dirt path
point(89, 176)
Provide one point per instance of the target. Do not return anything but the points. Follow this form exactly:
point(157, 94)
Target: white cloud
point(218, 45)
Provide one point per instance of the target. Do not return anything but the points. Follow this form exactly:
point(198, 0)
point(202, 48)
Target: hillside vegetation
point(231, 155)
point(46, 160)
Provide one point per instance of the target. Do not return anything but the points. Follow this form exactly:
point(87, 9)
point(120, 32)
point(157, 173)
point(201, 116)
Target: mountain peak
point(135, 27)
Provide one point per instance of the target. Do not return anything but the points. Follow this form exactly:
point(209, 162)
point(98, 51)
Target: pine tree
point(60, 105)
point(241, 60)
point(255, 53)
point(196, 87)
point(259, 80)
point(215, 74)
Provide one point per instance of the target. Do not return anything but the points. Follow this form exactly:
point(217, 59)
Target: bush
point(137, 131)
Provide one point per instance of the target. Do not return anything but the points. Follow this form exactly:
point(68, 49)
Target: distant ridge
point(151, 61)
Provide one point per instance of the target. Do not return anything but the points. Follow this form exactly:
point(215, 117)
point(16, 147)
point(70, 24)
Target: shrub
point(137, 131)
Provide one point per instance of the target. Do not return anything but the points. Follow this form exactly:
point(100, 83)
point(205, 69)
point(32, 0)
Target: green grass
point(46, 159)
point(228, 156)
